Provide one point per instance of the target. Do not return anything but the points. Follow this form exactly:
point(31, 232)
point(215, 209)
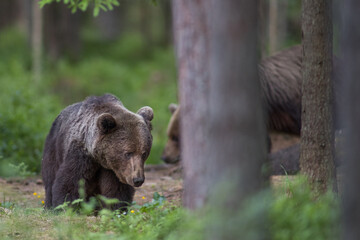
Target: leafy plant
point(297, 214)
point(83, 5)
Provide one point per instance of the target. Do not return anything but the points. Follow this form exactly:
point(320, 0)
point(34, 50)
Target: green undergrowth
point(26, 110)
point(123, 68)
point(296, 213)
point(291, 212)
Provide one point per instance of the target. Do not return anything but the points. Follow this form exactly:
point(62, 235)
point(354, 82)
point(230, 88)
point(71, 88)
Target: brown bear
point(100, 141)
point(171, 153)
point(280, 78)
point(284, 161)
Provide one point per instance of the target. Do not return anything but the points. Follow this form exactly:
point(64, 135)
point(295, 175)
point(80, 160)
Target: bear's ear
point(106, 123)
point(147, 113)
point(173, 107)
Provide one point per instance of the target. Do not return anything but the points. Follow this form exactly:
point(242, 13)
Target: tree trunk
point(36, 40)
point(223, 126)
point(9, 12)
point(61, 31)
point(111, 23)
point(277, 24)
point(350, 39)
point(263, 26)
point(165, 6)
point(317, 135)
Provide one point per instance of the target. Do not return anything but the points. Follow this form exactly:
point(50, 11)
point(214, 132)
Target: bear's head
point(171, 153)
point(123, 143)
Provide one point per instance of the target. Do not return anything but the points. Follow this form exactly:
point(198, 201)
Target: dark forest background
point(127, 52)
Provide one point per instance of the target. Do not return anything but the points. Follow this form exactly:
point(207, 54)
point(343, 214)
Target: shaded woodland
point(204, 55)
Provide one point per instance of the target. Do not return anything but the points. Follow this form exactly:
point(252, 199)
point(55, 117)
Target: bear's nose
point(138, 181)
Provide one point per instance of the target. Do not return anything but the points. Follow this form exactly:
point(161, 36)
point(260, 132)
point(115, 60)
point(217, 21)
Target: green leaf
point(96, 11)
point(62, 206)
point(77, 201)
point(115, 3)
point(108, 201)
point(156, 196)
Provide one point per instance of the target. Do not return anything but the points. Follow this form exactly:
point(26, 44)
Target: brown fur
point(280, 78)
point(100, 141)
point(171, 153)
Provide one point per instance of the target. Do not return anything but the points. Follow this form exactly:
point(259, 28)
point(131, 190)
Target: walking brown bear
point(100, 141)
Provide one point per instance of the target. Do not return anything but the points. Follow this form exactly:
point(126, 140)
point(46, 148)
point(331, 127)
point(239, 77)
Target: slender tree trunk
point(277, 24)
point(111, 24)
point(223, 127)
point(9, 12)
point(192, 48)
point(317, 135)
point(349, 111)
point(36, 40)
point(167, 22)
point(61, 31)
point(263, 22)
point(273, 15)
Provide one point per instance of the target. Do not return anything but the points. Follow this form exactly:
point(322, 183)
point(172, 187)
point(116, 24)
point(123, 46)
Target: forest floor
point(163, 178)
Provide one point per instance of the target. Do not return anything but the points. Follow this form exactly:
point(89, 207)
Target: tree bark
point(36, 40)
point(111, 24)
point(263, 26)
point(350, 118)
point(277, 24)
point(223, 126)
point(61, 31)
point(317, 135)
point(9, 12)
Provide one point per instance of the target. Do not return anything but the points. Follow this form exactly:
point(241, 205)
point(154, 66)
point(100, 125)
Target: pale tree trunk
point(223, 126)
point(36, 40)
point(349, 111)
point(263, 26)
point(192, 48)
point(317, 135)
point(277, 24)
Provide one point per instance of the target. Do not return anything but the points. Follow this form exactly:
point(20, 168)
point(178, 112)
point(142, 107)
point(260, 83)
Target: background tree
point(61, 31)
point(317, 137)
point(277, 24)
point(350, 116)
point(223, 126)
point(36, 40)
point(9, 12)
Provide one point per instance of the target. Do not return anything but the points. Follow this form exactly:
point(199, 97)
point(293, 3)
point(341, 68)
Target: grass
point(292, 213)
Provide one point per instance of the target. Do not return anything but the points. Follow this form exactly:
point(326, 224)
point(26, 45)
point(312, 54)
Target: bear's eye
point(129, 155)
point(143, 156)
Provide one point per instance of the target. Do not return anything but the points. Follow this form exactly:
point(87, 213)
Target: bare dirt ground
point(164, 179)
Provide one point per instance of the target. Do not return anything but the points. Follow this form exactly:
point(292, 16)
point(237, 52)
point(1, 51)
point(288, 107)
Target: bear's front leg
point(66, 186)
point(76, 166)
point(111, 187)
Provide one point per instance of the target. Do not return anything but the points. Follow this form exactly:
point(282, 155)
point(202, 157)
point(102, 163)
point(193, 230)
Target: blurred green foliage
point(28, 108)
point(25, 113)
point(297, 214)
point(74, 5)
